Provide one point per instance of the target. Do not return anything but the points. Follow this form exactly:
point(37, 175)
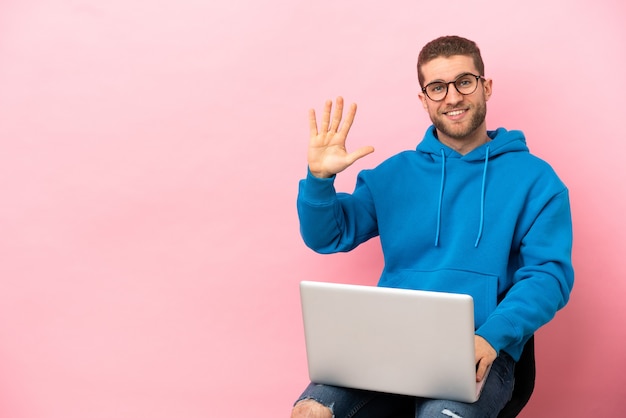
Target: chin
point(459, 133)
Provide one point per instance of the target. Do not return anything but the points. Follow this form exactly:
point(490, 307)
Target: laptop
point(408, 342)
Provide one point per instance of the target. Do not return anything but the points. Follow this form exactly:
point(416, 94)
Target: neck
point(467, 143)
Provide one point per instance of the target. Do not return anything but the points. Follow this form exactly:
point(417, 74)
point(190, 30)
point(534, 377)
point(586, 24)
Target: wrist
point(320, 174)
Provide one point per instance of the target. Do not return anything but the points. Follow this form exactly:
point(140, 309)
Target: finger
point(481, 370)
point(334, 126)
point(480, 373)
point(347, 123)
point(479, 362)
point(312, 123)
point(326, 116)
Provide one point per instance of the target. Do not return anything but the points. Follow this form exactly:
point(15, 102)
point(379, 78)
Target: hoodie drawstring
point(443, 177)
point(482, 199)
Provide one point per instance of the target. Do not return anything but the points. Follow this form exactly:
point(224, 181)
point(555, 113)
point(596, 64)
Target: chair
point(524, 381)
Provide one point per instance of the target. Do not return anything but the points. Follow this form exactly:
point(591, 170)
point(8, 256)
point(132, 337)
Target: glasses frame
point(478, 77)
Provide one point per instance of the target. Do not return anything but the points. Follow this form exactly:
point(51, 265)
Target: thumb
point(359, 153)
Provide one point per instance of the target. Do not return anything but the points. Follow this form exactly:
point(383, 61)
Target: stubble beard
point(477, 119)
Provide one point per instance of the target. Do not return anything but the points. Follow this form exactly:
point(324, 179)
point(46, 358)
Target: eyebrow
point(439, 80)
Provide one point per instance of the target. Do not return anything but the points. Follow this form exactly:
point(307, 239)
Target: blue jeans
point(355, 403)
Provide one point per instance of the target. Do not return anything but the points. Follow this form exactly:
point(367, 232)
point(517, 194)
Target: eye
point(465, 81)
point(436, 88)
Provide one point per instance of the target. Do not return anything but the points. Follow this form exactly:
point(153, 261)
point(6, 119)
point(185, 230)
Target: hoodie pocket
point(482, 287)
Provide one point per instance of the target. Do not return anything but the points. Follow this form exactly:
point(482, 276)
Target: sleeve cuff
point(317, 190)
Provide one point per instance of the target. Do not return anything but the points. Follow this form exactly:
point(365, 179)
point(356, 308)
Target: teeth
point(455, 113)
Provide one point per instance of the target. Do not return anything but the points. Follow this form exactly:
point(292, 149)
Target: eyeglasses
point(464, 84)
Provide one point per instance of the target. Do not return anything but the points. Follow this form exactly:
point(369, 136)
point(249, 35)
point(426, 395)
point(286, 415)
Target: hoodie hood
point(501, 142)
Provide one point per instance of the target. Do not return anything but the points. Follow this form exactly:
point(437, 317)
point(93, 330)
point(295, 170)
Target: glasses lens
point(436, 91)
point(466, 84)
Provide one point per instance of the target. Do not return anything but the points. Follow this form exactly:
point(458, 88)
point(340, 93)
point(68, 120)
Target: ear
point(487, 88)
point(422, 97)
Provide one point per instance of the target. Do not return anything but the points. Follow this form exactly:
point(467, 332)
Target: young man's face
point(457, 117)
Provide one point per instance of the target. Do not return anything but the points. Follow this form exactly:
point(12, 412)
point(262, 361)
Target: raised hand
point(327, 153)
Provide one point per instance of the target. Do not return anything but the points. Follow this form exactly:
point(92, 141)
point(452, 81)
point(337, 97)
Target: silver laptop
point(400, 341)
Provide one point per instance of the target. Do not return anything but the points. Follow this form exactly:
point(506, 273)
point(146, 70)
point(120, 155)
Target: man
point(469, 211)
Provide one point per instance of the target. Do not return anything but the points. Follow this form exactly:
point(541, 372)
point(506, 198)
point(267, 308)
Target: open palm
point(327, 153)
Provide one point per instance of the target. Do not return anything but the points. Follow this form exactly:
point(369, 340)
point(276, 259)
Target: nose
point(453, 95)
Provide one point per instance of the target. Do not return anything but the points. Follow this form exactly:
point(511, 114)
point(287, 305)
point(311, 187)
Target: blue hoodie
point(494, 223)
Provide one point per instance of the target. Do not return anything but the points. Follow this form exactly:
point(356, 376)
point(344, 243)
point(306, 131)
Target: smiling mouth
point(455, 112)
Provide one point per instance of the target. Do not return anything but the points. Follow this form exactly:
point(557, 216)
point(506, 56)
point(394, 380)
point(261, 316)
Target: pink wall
point(149, 246)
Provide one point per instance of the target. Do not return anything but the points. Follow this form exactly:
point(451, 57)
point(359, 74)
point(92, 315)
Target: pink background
point(149, 245)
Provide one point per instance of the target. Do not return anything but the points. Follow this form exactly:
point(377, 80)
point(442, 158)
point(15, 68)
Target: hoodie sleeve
point(333, 222)
point(542, 284)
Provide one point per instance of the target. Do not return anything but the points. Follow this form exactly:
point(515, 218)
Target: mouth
point(456, 113)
